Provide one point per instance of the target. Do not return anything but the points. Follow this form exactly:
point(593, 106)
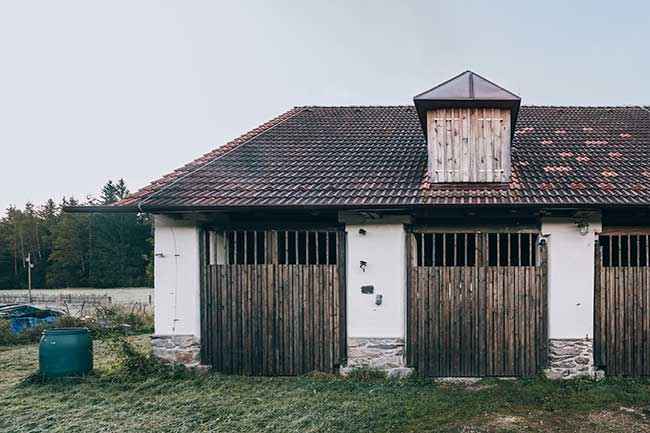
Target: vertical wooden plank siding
point(476, 311)
point(469, 145)
point(263, 315)
point(622, 304)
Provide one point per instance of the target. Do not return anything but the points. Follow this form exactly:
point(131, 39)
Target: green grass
point(112, 401)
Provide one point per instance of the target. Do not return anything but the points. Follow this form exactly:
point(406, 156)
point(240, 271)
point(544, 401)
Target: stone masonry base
point(384, 354)
point(571, 358)
point(178, 349)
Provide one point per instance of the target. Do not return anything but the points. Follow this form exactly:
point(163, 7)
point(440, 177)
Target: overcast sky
point(97, 90)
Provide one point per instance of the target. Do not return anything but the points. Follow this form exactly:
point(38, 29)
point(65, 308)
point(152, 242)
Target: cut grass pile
point(114, 401)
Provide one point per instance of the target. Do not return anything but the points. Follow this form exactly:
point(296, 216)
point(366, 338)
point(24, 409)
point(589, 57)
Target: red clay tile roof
point(377, 156)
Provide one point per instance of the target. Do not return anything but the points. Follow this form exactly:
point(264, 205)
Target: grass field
point(111, 401)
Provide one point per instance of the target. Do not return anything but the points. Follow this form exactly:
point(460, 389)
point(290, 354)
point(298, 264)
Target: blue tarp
point(23, 316)
point(20, 323)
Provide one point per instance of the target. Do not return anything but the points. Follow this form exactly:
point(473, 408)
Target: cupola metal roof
point(466, 90)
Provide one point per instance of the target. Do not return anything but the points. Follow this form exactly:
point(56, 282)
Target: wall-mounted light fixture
point(362, 265)
point(583, 227)
point(362, 232)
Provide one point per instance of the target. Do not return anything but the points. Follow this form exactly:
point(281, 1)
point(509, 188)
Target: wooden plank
point(598, 305)
point(277, 320)
point(459, 309)
point(505, 145)
point(543, 360)
point(464, 142)
point(341, 248)
point(231, 325)
point(629, 315)
point(285, 350)
point(479, 136)
point(473, 146)
point(307, 301)
point(245, 319)
point(447, 145)
point(611, 320)
point(638, 320)
point(426, 334)
point(338, 356)
point(507, 315)
point(645, 359)
point(410, 278)
point(226, 320)
point(318, 312)
point(328, 322)
point(264, 317)
point(481, 263)
point(467, 322)
point(490, 145)
point(434, 290)
point(489, 321)
point(501, 315)
point(421, 362)
point(252, 315)
point(296, 323)
point(524, 329)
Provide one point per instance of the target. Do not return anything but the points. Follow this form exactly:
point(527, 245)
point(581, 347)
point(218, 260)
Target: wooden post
point(28, 259)
point(544, 294)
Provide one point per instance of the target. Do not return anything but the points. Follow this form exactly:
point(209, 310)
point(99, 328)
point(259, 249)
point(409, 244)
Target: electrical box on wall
point(367, 290)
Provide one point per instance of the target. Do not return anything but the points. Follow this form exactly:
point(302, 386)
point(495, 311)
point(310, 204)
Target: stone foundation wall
point(385, 354)
point(571, 358)
point(178, 349)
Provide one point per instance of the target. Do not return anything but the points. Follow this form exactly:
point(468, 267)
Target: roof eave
point(174, 209)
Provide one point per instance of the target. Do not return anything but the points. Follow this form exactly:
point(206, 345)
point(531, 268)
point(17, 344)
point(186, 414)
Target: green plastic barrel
point(65, 352)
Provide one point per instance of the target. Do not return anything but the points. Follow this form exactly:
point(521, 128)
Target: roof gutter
point(360, 207)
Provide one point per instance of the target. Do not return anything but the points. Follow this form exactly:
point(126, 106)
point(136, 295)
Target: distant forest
point(76, 250)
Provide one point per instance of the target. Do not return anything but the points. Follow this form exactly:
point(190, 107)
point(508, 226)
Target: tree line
point(76, 249)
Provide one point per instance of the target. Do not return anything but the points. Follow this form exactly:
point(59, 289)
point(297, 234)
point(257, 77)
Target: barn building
point(463, 235)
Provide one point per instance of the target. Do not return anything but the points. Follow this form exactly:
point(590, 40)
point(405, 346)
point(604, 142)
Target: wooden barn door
point(622, 304)
point(477, 303)
point(274, 302)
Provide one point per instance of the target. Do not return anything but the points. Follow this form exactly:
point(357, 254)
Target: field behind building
point(80, 301)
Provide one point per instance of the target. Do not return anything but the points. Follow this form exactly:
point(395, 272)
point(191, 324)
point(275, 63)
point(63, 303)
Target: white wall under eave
point(176, 278)
point(570, 277)
point(383, 248)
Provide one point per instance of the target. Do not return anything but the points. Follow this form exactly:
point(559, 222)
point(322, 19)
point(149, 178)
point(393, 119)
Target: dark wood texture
point(622, 303)
point(285, 316)
point(480, 310)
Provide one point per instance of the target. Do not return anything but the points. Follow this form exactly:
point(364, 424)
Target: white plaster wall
point(176, 278)
point(383, 248)
point(570, 277)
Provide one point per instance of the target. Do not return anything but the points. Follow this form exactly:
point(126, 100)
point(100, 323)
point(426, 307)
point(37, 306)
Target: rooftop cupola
point(469, 123)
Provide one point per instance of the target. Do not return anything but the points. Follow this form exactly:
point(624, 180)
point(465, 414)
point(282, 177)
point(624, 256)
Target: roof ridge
point(523, 105)
point(581, 106)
